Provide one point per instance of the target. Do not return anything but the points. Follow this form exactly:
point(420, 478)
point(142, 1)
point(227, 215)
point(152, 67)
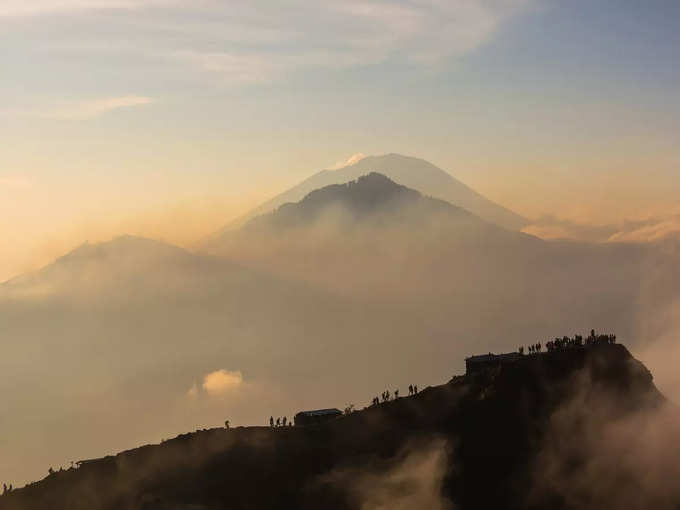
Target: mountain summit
point(371, 196)
point(411, 172)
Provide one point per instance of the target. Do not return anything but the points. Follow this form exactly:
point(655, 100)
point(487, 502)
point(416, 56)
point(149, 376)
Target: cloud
point(651, 230)
point(646, 230)
point(84, 110)
point(413, 480)
point(353, 159)
point(222, 381)
point(246, 42)
point(552, 227)
point(14, 8)
point(606, 448)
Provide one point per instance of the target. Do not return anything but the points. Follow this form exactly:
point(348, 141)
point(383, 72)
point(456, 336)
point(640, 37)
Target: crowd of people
point(386, 396)
point(280, 422)
point(567, 342)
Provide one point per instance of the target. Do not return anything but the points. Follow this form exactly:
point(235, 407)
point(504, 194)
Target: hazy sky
point(168, 117)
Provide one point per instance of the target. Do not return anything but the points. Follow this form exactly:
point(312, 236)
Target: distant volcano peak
point(414, 173)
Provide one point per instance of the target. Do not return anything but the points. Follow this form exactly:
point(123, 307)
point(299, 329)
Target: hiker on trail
point(410, 389)
point(226, 424)
point(271, 421)
point(278, 422)
point(415, 389)
point(285, 419)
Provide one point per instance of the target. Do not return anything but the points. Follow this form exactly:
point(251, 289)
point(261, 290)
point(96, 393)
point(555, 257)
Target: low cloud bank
point(647, 230)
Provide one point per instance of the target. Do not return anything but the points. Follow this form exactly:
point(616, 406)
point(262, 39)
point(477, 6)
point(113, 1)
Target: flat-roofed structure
point(304, 418)
point(483, 362)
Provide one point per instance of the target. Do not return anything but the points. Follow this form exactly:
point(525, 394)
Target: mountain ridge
point(405, 170)
point(369, 196)
point(479, 462)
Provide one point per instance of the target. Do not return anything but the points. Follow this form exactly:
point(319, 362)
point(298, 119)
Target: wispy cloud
point(353, 159)
point(245, 42)
point(14, 8)
point(84, 110)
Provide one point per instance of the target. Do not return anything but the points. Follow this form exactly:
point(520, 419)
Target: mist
point(602, 447)
point(113, 344)
point(413, 479)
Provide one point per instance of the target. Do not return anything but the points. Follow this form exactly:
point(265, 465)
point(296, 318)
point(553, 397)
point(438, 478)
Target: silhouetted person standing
point(415, 389)
point(285, 419)
point(271, 421)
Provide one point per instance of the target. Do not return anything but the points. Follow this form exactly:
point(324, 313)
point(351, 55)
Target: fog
point(606, 448)
point(132, 341)
point(414, 479)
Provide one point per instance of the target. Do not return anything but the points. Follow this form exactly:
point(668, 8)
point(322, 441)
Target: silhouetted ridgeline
point(372, 196)
point(480, 441)
point(414, 173)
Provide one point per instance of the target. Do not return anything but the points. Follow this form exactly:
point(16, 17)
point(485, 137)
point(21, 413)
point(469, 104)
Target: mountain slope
point(545, 432)
point(370, 198)
point(122, 258)
point(102, 349)
point(412, 172)
point(374, 235)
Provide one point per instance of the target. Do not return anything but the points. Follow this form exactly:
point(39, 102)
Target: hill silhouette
point(122, 257)
point(543, 432)
point(372, 197)
point(414, 173)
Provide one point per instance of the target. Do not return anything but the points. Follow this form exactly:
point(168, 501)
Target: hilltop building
point(305, 418)
point(475, 364)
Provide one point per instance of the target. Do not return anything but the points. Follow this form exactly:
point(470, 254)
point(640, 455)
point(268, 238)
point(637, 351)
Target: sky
point(167, 118)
